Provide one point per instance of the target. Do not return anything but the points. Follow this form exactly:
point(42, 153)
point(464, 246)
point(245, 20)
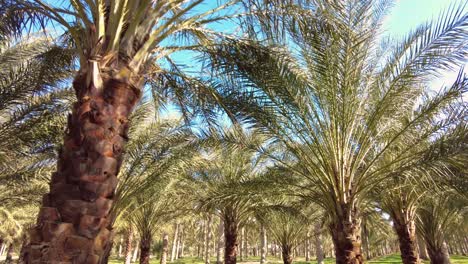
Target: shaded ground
point(392, 259)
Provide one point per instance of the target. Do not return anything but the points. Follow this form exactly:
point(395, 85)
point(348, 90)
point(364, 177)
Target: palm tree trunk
point(365, 240)
point(318, 243)
point(179, 237)
point(174, 241)
point(182, 247)
point(422, 249)
point(108, 248)
point(165, 248)
point(24, 243)
point(180, 243)
point(120, 247)
point(2, 247)
point(145, 248)
point(208, 239)
point(439, 255)
point(128, 247)
point(346, 235)
point(246, 244)
point(230, 238)
point(263, 238)
point(286, 252)
point(135, 251)
point(406, 232)
point(9, 255)
point(241, 245)
point(219, 252)
point(72, 223)
point(307, 247)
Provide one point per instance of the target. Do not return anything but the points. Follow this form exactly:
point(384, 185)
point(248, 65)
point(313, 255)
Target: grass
point(391, 259)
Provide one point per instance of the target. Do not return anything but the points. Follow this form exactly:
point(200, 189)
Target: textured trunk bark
point(346, 235)
point(318, 243)
point(230, 238)
point(174, 241)
point(208, 239)
point(128, 247)
point(263, 238)
point(406, 232)
point(72, 223)
point(286, 253)
point(165, 248)
point(145, 249)
point(219, 251)
point(439, 255)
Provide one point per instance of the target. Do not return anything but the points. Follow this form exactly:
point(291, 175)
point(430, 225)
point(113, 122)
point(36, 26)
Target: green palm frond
point(346, 111)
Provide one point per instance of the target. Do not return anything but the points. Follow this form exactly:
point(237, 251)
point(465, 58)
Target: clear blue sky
point(404, 16)
point(408, 14)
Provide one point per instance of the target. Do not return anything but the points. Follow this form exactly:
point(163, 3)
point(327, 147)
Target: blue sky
point(404, 16)
point(408, 14)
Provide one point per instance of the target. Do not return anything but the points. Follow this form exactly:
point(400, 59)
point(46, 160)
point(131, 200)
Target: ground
point(391, 259)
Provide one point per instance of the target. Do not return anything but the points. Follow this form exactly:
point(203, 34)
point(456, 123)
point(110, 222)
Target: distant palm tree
point(400, 195)
point(343, 104)
point(287, 226)
point(228, 181)
point(439, 216)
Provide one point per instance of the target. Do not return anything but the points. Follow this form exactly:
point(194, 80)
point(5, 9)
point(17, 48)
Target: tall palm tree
point(400, 195)
point(286, 225)
point(228, 182)
point(342, 104)
point(437, 218)
point(120, 45)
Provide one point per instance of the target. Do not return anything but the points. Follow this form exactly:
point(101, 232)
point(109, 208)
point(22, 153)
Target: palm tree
point(344, 106)
point(400, 195)
point(120, 45)
point(228, 181)
point(437, 218)
point(286, 225)
point(149, 214)
point(31, 75)
point(159, 150)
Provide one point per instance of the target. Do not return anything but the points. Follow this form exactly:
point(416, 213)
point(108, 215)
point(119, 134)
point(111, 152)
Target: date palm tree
point(437, 218)
point(228, 181)
point(159, 150)
point(287, 226)
point(401, 194)
point(33, 103)
point(120, 45)
point(343, 103)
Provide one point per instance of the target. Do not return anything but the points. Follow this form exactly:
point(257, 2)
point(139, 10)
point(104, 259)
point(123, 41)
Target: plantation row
point(246, 130)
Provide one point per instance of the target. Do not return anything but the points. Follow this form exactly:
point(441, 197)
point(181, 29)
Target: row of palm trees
point(329, 125)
